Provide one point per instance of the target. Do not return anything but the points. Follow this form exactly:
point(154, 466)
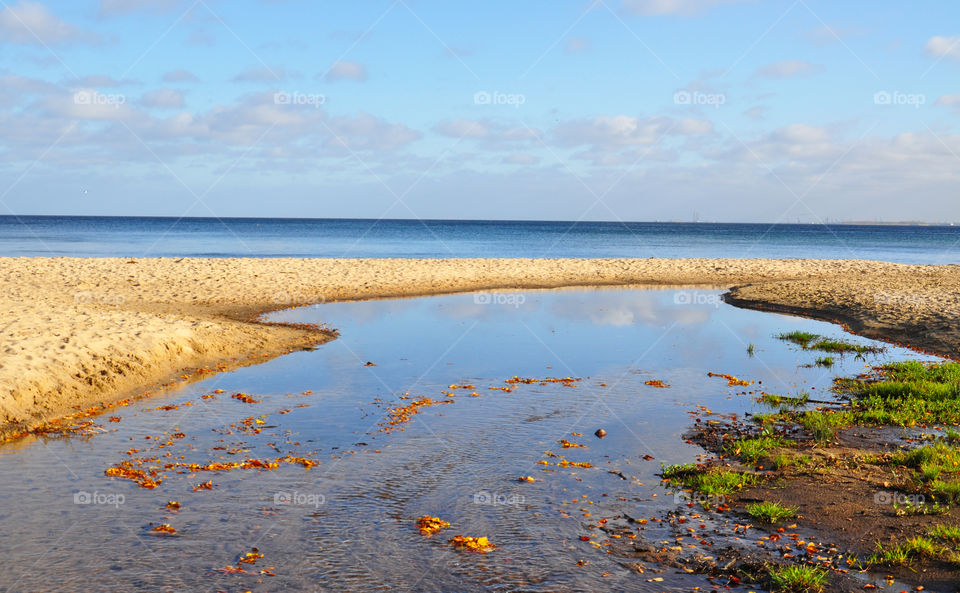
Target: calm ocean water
point(271, 237)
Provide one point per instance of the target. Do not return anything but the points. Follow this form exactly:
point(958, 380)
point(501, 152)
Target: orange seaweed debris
point(306, 463)
point(164, 528)
point(114, 418)
point(245, 398)
point(69, 425)
point(208, 485)
point(173, 505)
point(526, 479)
point(565, 381)
point(464, 386)
point(480, 545)
point(656, 383)
point(144, 479)
point(583, 464)
point(403, 414)
point(731, 380)
point(430, 525)
point(568, 445)
point(250, 557)
point(250, 425)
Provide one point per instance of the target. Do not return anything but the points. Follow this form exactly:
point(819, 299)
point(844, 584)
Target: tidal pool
point(348, 523)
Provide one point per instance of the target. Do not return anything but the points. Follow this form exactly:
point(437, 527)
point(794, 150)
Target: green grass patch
point(823, 425)
point(784, 401)
point(920, 509)
point(840, 347)
point(713, 481)
point(783, 461)
point(905, 553)
point(754, 449)
point(799, 338)
point(770, 512)
point(906, 394)
point(912, 370)
point(809, 341)
point(947, 533)
point(936, 470)
point(824, 361)
point(798, 579)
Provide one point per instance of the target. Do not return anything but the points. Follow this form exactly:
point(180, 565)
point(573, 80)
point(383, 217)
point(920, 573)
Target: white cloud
point(88, 104)
point(490, 134)
point(346, 70)
point(462, 128)
point(261, 74)
point(944, 46)
point(366, 132)
point(25, 84)
point(163, 98)
point(672, 7)
point(180, 75)
point(788, 69)
point(521, 159)
point(98, 81)
point(801, 134)
point(952, 101)
point(31, 23)
point(614, 132)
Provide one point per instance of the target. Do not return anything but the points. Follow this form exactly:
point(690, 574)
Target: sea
point(123, 236)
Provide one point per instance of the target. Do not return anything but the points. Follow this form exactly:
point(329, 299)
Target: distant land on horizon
point(490, 220)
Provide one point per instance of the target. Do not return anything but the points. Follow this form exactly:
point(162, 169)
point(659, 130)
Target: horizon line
point(492, 220)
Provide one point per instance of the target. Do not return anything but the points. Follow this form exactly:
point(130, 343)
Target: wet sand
point(82, 331)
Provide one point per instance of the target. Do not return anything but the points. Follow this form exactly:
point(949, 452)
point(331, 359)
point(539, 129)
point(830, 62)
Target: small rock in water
point(600, 433)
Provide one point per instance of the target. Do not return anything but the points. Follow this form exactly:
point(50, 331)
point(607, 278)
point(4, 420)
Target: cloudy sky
point(733, 110)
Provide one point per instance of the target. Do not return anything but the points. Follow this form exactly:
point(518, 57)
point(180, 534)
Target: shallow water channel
point(348, 523)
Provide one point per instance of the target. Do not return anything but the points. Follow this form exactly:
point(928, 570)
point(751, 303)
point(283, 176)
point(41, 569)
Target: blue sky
point(576, 110)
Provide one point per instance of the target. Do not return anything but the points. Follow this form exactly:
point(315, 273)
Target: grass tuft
point(798, 579)
point(714, 481)
point(947, 533)
point(936, 468)
point(824, 425)
point(770, 512)
point(799, 338)
point(809, 341)
point(905, 553)
point(754, 449)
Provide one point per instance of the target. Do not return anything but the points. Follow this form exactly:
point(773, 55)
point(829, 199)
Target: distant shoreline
point(863, 223)
point(84, 331)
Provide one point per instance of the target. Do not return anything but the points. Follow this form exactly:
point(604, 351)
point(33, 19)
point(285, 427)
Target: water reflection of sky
point(361, 538)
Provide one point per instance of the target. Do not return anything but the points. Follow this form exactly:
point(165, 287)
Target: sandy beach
point(81, 331)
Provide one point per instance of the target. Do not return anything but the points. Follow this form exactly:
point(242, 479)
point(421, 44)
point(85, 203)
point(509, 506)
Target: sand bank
point(80, 331)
